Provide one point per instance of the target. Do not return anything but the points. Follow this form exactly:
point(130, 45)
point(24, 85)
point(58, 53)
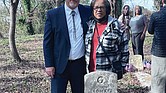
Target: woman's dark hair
point(140, 10)
point(106, 3)
point(127, 14)
point(107, 7)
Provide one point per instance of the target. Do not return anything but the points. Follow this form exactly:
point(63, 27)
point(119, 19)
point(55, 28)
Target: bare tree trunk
point(157, 4)
point(112, 4)
point(13, 9)
point(27, 6)
point(116, 6)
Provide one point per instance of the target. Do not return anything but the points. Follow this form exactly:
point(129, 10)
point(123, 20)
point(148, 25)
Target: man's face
point(99, 9)
point(72, 4)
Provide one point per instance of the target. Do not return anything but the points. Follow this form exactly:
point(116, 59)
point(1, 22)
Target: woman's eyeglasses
point(99, 7)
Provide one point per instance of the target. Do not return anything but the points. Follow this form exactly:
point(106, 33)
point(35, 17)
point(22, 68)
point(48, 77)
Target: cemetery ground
point(28, 76)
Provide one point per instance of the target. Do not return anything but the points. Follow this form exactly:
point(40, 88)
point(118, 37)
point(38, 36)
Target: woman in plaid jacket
point(106, 45)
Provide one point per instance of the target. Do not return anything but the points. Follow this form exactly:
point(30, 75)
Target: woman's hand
point(142, 36)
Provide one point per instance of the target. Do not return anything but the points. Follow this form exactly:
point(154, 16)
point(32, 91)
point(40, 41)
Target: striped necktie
point(74, 27)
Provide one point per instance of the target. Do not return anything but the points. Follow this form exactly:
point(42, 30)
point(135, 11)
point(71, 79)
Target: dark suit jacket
point(56, 43)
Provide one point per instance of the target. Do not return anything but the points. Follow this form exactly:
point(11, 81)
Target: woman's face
point(125, 10)
point(137, 10)
point(99, 9)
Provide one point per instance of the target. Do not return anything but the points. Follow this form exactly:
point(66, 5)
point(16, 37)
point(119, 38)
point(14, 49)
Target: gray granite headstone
point(101, 82)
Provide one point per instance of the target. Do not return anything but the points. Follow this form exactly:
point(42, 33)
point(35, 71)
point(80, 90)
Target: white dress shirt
point(77, 44)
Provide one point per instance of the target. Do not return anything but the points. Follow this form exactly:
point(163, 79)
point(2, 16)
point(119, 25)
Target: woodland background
point(21, 53)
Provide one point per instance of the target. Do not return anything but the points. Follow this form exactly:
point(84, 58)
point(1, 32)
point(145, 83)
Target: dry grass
point(29, 77)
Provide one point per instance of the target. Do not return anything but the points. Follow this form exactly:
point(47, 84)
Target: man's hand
point(50, 71)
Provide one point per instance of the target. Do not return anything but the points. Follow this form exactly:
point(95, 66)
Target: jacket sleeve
point(48, 42)
point(151, 25)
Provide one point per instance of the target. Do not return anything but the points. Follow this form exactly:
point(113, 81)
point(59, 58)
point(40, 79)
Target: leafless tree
point(116, 6)
point(12, 44)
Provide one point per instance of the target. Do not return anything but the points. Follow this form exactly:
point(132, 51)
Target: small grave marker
point(136, 61)
point(101, 82)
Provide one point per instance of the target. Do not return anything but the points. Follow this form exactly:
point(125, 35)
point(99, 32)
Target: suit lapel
point(63, 23)
point(82, 15)
point(84, 18)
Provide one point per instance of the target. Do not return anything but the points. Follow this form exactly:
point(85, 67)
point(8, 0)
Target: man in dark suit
point(63, 46)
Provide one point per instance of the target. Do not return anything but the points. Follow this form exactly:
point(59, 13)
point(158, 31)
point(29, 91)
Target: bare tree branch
point(4, 2)
point(36, 5)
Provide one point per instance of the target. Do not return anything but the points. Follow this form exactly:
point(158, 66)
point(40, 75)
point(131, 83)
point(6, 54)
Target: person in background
point(157, 27)
point(124, 20)
point(64, 48)
point(106, 45)
point(138, 25)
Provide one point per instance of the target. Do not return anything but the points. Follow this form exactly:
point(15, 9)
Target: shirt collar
point(68, 10)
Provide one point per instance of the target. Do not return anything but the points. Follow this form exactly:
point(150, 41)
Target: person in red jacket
point(106, 45)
